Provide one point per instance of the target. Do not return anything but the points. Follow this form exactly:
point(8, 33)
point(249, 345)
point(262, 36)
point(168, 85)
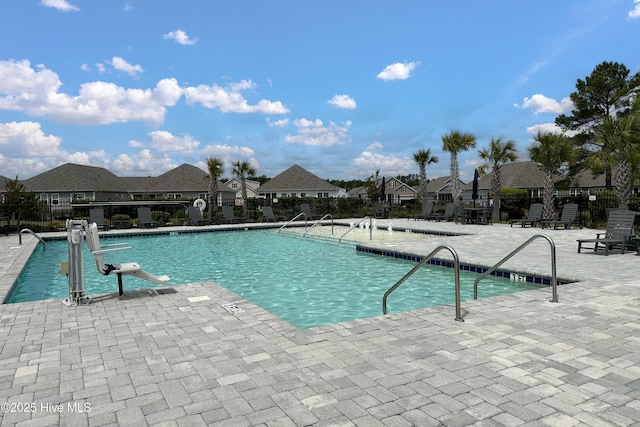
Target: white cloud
point(278, 123)
point(180, 37)
point(128, 6)
point(343, 101)
point(541, 104)
point(135, 144)
point(315, 133)
point(375, 146)
point(144, 163)
point(229, 99)
point(85, 67)
point(62, 5)
point(550, 128)
point(101, 68)
point(635, 13)
point(367, 163)
point(122, 65)
point(228, 154)
point(164, 141)
point(398, 70)
point(36, 92)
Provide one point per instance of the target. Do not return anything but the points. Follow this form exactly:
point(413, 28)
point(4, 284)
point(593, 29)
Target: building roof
point(298, 179)
point(75, 178)
point(523, 175)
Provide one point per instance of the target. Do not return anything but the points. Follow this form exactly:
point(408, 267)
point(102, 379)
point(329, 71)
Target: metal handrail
point(456, 262)
point(28, 230)
point(554, 282)
point(293, 219)
point(360, 222)
point(318, 223)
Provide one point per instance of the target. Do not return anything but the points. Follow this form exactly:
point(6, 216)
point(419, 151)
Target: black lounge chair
point(306, 209)
point(449, 214)
point(618, 234)
point(268, 215)
point(229, 216)
point(427, 210)
point(567, 219)
point(534, 217)
point(144, 218)
point(97, 215)
point(195, 216)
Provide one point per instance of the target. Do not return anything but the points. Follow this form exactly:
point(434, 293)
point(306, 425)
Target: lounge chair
point(306, 209)
point(618, 234)
point(567, 219)
point(228, 215)
point(128, 268)
point(97, 215)
point(534, 217)
point(427, 210)
point(379, 211)
point(195, 216)
point(449, 214)
point(144, 218)
point(268, 215)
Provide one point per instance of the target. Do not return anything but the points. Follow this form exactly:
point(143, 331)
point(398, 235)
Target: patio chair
point(228, 216)
point(618, 234)
point(306, 209)
point(534, 217)
point(195, 216)
point(144, 218)
point(449, 214)
point(427, 210)
point(268, 215)
point(567, 219)
point(97, 215)
point(127, 269)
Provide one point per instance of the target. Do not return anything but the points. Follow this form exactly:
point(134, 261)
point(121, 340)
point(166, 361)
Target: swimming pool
point(305, 281)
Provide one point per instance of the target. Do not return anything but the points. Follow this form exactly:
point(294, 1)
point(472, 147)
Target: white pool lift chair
point(128, 268)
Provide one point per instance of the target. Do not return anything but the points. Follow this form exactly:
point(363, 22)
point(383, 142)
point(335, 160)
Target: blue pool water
point(304, 281)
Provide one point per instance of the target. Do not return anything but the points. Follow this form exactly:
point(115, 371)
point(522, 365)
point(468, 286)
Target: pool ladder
point(28, 230)
point(356, 225)
point(456, 261)
point(293, 219)
point(315, 224)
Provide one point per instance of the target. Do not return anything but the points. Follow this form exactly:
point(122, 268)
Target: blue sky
point(342, 88)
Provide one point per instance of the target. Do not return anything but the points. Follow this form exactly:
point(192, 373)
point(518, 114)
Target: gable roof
point(297, 178)
point(74, 177)
point(523, 175)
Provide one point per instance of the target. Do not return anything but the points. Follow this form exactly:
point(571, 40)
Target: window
point(202, 196)
point(78, 196)
point(303, 194)
point(234, 185)
point(44, 197)
point(393, 184)
point(403, 189)
point(55, 198)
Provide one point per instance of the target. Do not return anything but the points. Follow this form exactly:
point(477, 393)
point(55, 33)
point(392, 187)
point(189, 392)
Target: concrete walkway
point(176, 357)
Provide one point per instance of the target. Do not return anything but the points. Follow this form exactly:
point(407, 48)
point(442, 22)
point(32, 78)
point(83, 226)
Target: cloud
point(36, 92)
point(144, 163)
point(375, 146)
point(398, 70)
point(229, 99)
point(541, 104)
point(635, 13)
point(228, 154)
point(62, 5)
point(367, 163)
point(180, 37)
point(122, 65)
point(343, 101)
point(278, 123)
point(128, 6)
point(164, 141)
point(315, 133)
point(550, 128)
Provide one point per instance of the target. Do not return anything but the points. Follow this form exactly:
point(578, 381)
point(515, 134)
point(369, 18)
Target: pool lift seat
point(127, 268)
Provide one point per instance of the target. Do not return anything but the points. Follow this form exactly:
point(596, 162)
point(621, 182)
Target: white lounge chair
point(128, 268)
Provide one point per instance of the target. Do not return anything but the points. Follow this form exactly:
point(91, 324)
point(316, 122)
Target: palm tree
point(424, 158)
point(550, 152)
point(216, 169)
point(455, 142)
point(621, 137)
point(242, 170)
point(498, 153)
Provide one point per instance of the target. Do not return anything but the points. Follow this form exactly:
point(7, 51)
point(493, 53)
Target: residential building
point(235, 184)
point(297, 182)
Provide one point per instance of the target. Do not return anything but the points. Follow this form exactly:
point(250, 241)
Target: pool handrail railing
point(554, 282)
point(318, 223)
point(456, 272)
point(356, 225)
point(28, 230)
point(293, 219)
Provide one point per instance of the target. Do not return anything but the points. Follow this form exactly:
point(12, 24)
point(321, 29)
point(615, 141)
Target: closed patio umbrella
point(474, 192)
point(382, 190)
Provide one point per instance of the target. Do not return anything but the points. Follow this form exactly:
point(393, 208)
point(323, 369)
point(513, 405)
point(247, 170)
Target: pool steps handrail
point(28, 230)
point(554, 282)
point(356, 225)
point(318, 223)
point(456, 261)
point(293, 219)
